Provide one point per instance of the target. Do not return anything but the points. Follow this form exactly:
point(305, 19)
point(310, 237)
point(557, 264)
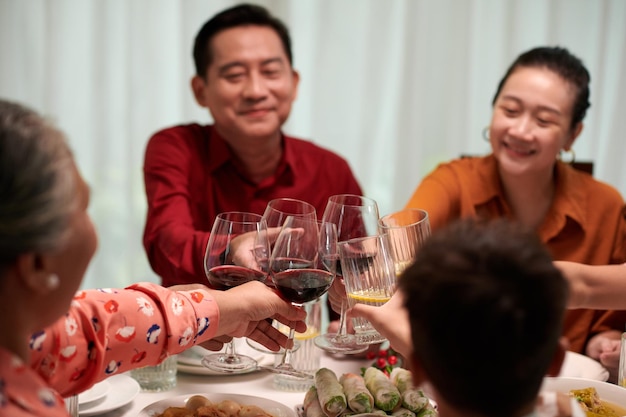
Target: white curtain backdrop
point(395, 86)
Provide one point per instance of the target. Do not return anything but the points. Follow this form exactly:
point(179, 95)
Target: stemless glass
point(223, 274)
point(302, 266)
point(355, 216)
point(405, 230)
point(370, 278)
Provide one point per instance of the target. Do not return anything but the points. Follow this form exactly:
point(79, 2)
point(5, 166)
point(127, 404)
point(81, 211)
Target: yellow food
point(200, 406)
point(593, 405)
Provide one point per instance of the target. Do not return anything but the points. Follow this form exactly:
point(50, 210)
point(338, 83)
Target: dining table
point(258, 383)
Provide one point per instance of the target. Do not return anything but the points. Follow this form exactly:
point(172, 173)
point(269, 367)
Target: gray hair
point(37, 185)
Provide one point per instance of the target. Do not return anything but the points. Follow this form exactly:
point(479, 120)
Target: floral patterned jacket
point(105, 332)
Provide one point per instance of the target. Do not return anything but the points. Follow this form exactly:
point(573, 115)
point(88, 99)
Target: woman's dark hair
point(567, 66)
point(240, 15)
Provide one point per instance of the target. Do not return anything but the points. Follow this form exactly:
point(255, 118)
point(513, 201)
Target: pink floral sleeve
point(108, 331)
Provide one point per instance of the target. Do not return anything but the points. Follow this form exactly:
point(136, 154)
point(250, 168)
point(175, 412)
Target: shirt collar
point(569, 200)
point(221, 154)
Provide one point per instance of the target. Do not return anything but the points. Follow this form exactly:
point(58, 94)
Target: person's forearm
point(595, 286)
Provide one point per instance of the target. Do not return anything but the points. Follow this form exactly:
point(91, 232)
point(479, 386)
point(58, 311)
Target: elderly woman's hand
point(248, 309)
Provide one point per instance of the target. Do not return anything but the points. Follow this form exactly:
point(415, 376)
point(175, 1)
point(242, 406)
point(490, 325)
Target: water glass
point(621, 379)
point(71, 404)
point(307, 357)
point(157, 378)
point(406, 231)
point(370, 278)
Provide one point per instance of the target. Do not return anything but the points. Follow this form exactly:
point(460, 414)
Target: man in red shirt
point(244, 76)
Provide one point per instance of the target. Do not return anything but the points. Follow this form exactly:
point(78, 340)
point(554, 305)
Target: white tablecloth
point(260, 384)
point(257, 383)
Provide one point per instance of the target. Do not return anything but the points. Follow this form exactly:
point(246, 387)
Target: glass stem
point(287, 355)
point(343, 330)
point(230, 350)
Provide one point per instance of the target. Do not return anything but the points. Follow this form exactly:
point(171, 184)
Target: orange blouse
point(586, 223)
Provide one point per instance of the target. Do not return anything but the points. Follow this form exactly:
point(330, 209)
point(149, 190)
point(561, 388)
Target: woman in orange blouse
point(55, 342)
point(538, 110)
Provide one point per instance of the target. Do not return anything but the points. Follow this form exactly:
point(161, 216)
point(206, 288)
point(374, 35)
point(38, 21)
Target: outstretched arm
point(595, 286)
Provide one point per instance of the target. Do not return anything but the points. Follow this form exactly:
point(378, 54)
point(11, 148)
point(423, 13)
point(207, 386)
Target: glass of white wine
point(370, 278)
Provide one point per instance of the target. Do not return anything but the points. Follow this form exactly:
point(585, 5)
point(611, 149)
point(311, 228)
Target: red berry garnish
point(370, 355)
point(392, 360)
point(382, 353)
point(381, 362)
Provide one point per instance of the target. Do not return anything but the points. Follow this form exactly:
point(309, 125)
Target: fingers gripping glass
point(219, 264)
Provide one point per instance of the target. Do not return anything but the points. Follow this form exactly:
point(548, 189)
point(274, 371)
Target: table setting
point(367, 254)
point(127, 400)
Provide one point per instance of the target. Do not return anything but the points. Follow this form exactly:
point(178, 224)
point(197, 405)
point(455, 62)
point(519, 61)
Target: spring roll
point(359, 398)
point(330, 392)
point(428, 412)
point(311, 405)
point(403, 412)
point(412, 398)
point(386, 395)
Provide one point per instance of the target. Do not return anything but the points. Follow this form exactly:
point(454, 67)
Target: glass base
point(336, 343)
point(369, 338)
point(230, 364)
point(286, 369)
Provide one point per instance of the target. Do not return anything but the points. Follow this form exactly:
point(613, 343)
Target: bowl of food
point(598, 398)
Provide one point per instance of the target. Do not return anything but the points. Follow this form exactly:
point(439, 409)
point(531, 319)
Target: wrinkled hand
point(248, 309)
point(605, 348)
point(391, 320)
point(216, 344)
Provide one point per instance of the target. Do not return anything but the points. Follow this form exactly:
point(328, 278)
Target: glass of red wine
point(275, 214)
point(225, 254)
point(302, 267)
point(355, 216)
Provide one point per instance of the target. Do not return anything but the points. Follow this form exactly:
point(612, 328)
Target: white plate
point(189, 360)
point(272, 407)
point(123, 390)
point(607, 392)
point(94, 393)
point(576, 365)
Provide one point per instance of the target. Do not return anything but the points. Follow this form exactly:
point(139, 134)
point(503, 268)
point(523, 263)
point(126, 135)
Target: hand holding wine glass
point(223, 273)
point(302, 266)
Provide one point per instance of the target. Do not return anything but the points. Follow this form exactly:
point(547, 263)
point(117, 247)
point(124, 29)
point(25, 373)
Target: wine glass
point(276, 211)
point(302, 266)
point(223, 273)
point(405, 231)
point(355, 216)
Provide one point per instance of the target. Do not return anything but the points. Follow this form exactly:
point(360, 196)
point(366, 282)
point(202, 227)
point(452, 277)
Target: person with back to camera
point(538, 111)
point(55, 341)
point(479, 316)
point(244, 76)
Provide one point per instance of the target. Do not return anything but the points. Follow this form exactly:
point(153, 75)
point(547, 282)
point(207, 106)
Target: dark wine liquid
point(224, 277)
point(302, 285)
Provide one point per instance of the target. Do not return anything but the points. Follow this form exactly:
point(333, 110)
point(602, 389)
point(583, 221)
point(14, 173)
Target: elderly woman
point(55, 342)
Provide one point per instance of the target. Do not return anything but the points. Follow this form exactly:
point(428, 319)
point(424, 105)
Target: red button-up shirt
point(190, 177)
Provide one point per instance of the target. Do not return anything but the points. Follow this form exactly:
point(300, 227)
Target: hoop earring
point(570, 156)
point(52, 282)
point(485, 133)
